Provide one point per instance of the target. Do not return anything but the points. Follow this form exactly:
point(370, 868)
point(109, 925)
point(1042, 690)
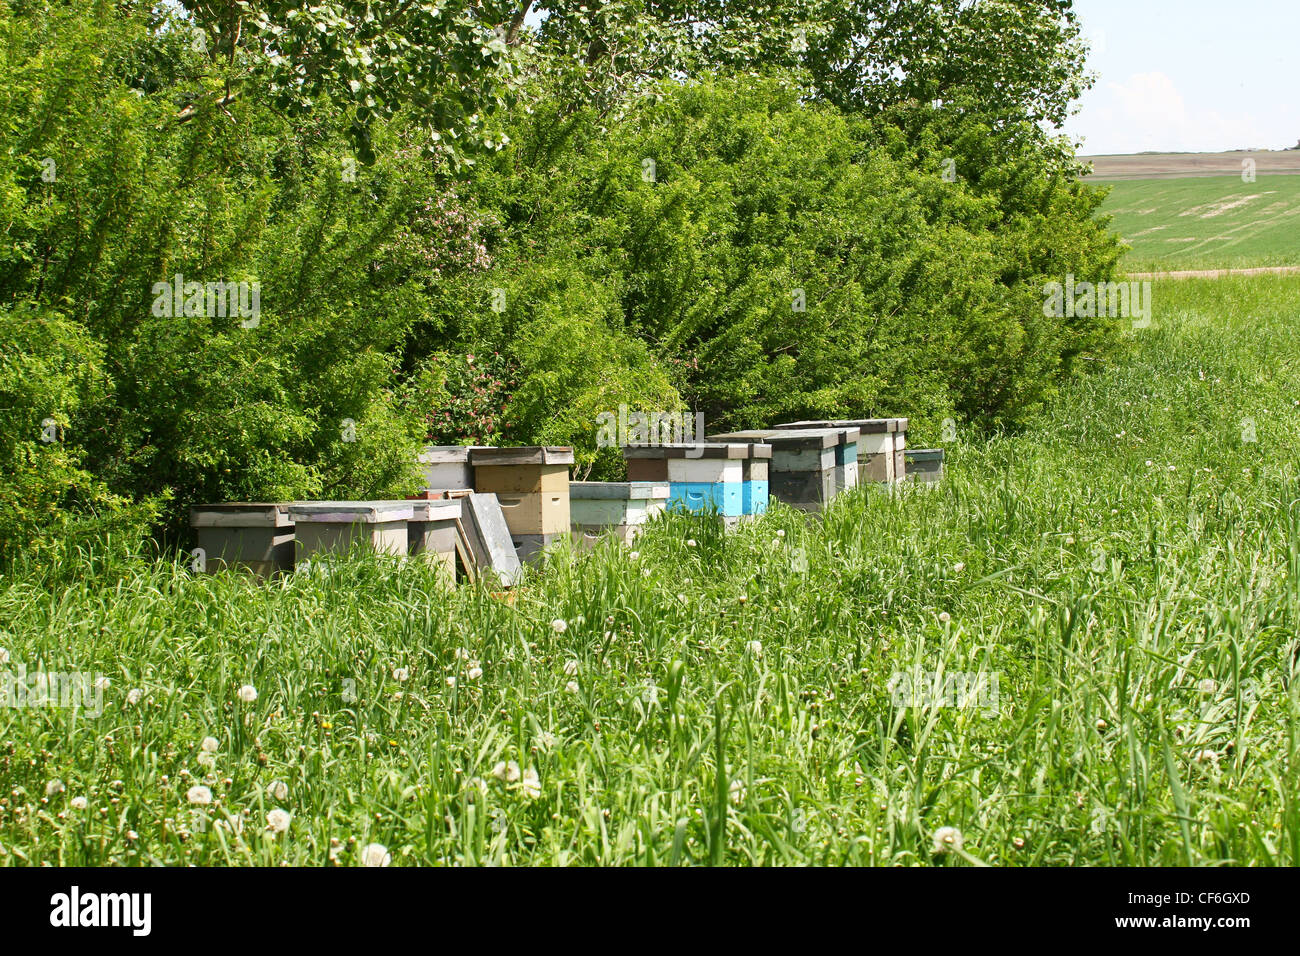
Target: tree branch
point(512, 34)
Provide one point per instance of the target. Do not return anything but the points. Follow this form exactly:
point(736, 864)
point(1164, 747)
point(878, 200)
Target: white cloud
point(1147, 112)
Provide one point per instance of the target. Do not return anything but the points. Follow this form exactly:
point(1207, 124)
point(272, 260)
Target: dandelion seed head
point(531, 786)
point(506, 770)
point(375, 854)
point(947, 839)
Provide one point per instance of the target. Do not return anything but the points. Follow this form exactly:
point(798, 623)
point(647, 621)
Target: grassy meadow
point(1214, 222)
point(1127, 568)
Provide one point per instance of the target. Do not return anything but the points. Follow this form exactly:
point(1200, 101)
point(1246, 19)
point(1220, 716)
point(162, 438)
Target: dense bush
point(51, 372)
point(303, 399)
point(784, 258)
point(920, 297)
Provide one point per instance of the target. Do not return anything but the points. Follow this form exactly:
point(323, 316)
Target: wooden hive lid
point(241, 514)
point(436, 509)
point(445, 454)
point(705, 449)
point(792, 438)
point(350, 512)
point(923, 454)
point(523, 455)
point(867, 426)
point(619, 490)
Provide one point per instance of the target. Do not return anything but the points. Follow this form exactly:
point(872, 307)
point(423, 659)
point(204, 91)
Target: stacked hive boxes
point(532, 486)
point(253, 535)
point(620, 507)
point(337, 526)
point(729, 479)
point(925, 464)
point(881, 445)
point(808, 467)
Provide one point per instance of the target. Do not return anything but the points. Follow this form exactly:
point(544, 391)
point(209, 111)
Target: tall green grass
point(1127, 568)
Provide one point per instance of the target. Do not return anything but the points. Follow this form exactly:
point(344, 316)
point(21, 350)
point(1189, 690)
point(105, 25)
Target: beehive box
point(846, 465)
point(432, 535)
point(532, 486)
point(530, 546)
point(703, 477)
point(806, 470)
point(256, 535)
point(447, 466)
point(757, 487)
point(925, 464)
point(614, 507)
point(337, 526)
point(881, 445)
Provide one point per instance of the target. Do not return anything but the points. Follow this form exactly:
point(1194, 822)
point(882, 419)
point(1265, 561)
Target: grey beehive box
point(336, 526)
point(881, 444)
point(256, 535)
point(433, 534)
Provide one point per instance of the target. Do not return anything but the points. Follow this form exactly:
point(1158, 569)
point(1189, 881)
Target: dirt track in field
point(1180, 165)
point(1215, 273)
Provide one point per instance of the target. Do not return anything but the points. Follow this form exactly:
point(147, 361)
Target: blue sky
point(1190, 75)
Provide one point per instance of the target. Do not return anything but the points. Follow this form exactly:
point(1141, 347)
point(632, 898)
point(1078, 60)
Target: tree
point(1020, 59)
point(444, 64)
point(779, 259)
point(106, 194)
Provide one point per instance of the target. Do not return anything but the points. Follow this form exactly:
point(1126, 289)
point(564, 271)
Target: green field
point(1215, 222)
point(1128, 568)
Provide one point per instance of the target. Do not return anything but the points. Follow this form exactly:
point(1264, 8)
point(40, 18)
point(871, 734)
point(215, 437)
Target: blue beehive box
point(729, 480)
point(726, 498)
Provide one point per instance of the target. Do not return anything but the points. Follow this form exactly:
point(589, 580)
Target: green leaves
point(780, 260)
point(439, 65)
